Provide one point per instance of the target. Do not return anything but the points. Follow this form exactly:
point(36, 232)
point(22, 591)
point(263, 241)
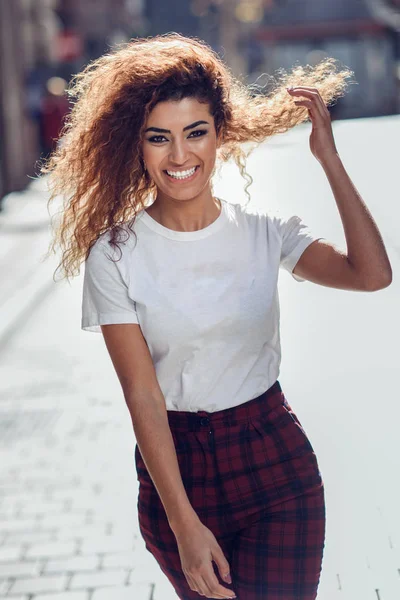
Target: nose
point(179, 152)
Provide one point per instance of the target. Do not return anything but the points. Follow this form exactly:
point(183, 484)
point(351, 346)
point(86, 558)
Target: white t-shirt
point(206, 301)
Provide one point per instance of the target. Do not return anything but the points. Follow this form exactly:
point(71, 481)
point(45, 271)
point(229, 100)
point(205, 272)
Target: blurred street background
point(68, 488)
point(44, 42)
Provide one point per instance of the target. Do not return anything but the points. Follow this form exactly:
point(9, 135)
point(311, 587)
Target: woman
point(184, 291)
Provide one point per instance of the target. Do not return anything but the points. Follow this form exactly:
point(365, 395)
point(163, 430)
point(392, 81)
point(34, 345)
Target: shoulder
point(250, 211)
point(256, 218)
point(274, 219)
point(107, 260)
point(115, 246)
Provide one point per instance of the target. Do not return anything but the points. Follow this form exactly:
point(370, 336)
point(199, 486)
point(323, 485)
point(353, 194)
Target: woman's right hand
point(198, 547)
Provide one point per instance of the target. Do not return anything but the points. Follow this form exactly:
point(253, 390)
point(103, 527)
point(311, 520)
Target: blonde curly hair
point(98, 168)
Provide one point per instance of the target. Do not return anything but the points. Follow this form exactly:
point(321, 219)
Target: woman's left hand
point(322, 142)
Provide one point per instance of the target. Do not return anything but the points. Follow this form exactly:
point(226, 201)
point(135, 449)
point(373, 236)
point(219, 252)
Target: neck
point(185, 215)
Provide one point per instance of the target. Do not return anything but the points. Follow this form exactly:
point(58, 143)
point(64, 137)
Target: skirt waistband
point(259, 406)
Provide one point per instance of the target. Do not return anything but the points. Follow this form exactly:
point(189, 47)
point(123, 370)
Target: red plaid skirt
point(251, 475)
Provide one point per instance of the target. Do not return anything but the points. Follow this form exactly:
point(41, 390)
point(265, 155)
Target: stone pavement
point(68, 488)
point(68, 523)
point(24, 232)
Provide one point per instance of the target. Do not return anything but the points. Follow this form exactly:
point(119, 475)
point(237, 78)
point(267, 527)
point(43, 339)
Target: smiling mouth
point(183, 175)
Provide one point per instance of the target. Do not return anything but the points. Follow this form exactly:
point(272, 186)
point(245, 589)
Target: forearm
point(156, 445)
point(365, 247)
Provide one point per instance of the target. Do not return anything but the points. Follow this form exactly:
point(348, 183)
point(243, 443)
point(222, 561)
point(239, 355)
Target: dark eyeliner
point(154, 137)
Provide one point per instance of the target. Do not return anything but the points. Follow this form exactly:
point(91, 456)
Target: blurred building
point(27, 30)
point(361, 34)
point(101, 23)
point(42, 43)
point(262, 36)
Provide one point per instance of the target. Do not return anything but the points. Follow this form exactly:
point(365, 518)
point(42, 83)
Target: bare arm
point(135, 370)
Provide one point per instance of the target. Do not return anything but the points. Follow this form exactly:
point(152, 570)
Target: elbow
point(378, 284)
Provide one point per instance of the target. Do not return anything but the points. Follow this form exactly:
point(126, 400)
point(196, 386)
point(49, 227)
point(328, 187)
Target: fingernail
point(228, 578)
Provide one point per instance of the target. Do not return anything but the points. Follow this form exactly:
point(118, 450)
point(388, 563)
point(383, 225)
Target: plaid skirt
point(252, 477)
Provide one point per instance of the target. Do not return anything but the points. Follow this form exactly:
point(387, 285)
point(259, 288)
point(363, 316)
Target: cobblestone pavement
point(68, 515)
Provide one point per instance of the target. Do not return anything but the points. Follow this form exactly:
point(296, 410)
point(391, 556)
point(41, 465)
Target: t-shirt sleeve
point(105, 298)
point(295, 237)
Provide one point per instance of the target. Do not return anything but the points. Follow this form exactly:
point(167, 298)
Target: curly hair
point(97, 168)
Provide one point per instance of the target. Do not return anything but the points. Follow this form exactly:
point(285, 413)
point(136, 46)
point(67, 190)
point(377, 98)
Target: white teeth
point(182, 174)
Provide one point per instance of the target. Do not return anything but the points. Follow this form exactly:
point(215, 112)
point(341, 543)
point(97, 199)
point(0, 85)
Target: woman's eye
point(200, 132)
point(158, 139)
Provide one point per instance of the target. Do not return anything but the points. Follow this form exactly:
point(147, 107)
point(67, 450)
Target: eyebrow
point(191, 126)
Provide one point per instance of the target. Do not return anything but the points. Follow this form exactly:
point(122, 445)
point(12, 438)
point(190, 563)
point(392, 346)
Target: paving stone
point(141, 591)
point(9, 490)
point(75, 563)
point(63, 520)
point(4, 586)
point(18, 524)
point(18, 500)
point(75, 507)
point(22, 537)
point(119, 559)
point(65, 596)
point(104, 544)
point(76, 496)
point(61, 487)
point(37, 585)
point(50, 482)
point(8, 553)
point(163, 590)
point(146, 569)
point(144, 572)
point(53, 549)
point(98, 579)
point(85, 532)
point(8, 513)
point(64, 496)
point(47, 508)
point(20, 569)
